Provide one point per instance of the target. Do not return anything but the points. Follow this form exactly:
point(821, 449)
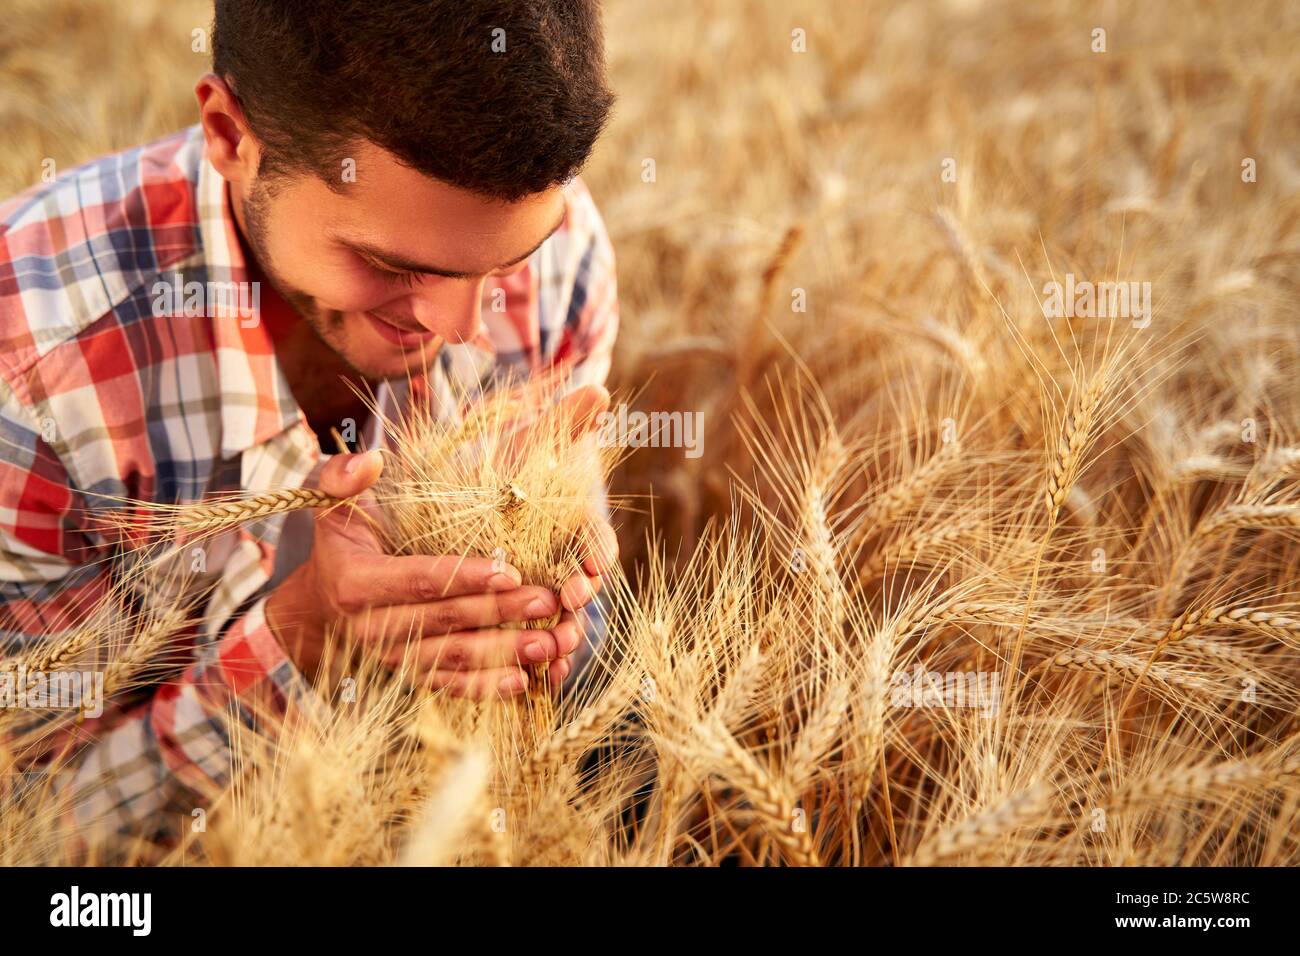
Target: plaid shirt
point(99, 396)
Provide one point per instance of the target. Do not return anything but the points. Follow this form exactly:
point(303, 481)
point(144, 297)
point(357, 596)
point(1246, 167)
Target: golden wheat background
point(919, 469)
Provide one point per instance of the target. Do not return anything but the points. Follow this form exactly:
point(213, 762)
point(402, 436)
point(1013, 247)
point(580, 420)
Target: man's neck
point(325, 387)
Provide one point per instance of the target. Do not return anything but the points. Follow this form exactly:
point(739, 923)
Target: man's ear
point(232, 148)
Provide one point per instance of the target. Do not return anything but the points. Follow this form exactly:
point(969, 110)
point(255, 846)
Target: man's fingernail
point(540, 607)
point(535, 652)
point(503, 582)
point(354, 462)
point(512, 684)
point(576, 594)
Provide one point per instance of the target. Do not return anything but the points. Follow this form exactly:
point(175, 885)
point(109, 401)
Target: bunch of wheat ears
point(908, 645)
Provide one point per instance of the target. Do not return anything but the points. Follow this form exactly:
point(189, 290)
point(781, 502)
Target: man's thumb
point(584, 407)
point(346, 475)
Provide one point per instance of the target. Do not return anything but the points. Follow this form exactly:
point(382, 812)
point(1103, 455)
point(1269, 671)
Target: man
point(390, 187)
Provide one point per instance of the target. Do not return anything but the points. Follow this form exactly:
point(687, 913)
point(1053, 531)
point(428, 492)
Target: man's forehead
point(415, 223)
point(372, 170)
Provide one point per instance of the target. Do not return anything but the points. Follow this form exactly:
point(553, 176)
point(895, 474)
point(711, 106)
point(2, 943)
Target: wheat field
point(959, 576)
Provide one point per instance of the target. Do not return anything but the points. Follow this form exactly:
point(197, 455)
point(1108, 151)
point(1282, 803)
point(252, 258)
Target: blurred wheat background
point(840, 260)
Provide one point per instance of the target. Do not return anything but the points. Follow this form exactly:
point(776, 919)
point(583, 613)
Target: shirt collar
point(256, 400)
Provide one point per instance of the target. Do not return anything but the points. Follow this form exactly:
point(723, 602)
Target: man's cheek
point(347, 296)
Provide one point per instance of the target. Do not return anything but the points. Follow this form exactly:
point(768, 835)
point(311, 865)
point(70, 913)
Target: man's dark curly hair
point(504, 98)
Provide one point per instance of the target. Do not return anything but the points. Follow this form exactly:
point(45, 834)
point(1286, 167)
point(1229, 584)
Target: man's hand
point(443, 614)
point(583, 408)
point(450, 608)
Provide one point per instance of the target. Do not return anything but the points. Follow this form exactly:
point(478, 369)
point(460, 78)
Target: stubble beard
point(328, 325)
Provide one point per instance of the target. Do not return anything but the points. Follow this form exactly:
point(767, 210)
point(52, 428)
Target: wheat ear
point(1207, 780)
point(1252, 517)
point(1259, 620)
point(579, 732)
point(914, 546)
point(974, 612)
point(1262, 621)
point(896, 500)
point(869, 703)
point(1013, 813)
point(1229, 518)
point(1278, 464)
point(1071, 446)
point(1115, 664)
point(776, 265)
point(217, 516)
point(541, 708)
point(819, 536)
point(1076, 435)
point(818, 736)
point(769, 799)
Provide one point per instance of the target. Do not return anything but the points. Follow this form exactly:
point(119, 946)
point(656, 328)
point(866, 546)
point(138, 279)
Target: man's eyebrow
point(399, 263)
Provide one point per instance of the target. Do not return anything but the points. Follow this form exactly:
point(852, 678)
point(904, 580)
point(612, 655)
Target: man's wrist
point(292, 620)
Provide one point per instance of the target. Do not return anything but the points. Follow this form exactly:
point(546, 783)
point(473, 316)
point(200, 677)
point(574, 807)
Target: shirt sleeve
point(168, 748)
point(172, 753)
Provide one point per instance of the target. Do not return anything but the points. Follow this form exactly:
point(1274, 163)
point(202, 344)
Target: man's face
point(392, 263)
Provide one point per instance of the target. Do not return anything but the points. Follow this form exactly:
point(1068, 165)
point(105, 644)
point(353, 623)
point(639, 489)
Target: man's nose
point(451, 310)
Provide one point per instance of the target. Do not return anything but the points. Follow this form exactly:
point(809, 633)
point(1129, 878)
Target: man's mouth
point(400, 335)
